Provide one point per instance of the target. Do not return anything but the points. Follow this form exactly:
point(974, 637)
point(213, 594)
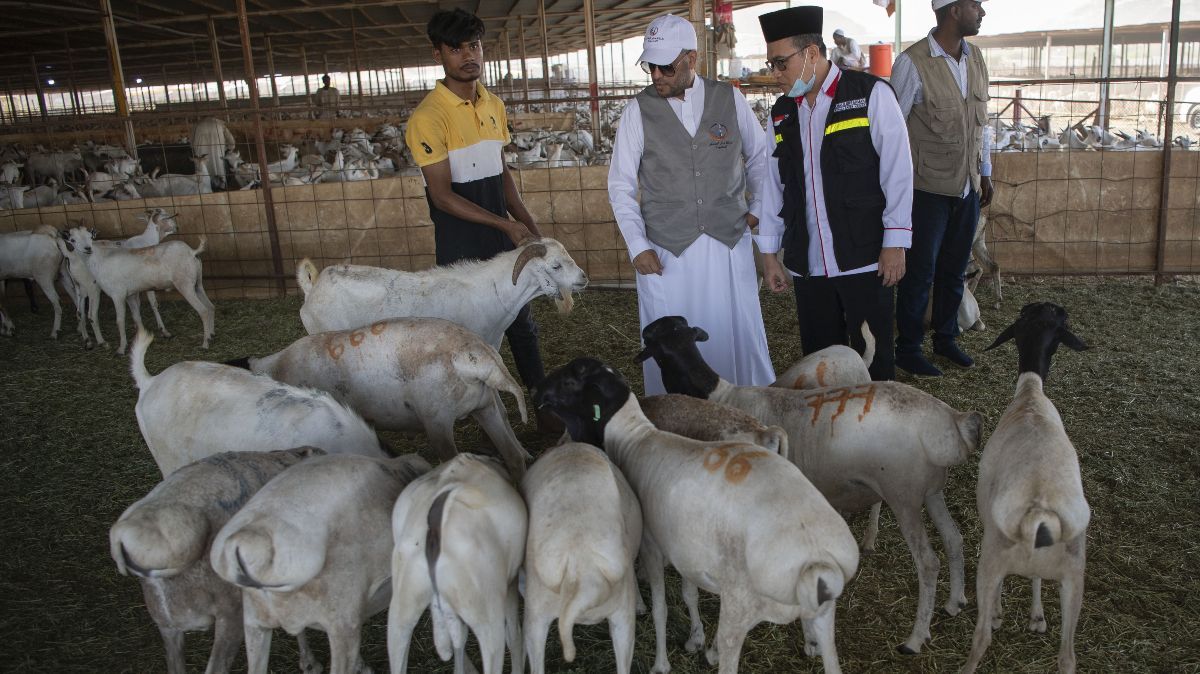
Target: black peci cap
point(791, 22)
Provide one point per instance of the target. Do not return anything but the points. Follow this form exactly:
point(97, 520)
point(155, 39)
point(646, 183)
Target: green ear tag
point(595, 413)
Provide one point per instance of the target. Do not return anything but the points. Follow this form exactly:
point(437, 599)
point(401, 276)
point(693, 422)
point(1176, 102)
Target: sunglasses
point(780, 62)
point(667, 70)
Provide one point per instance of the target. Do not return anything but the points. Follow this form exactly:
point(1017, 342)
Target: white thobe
point(712, 286)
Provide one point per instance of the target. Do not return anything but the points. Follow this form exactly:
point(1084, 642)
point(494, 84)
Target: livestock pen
point(73, 459)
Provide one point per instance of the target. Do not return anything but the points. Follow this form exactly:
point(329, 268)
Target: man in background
point(942, 85)
point(327, 100)
point(846, 53)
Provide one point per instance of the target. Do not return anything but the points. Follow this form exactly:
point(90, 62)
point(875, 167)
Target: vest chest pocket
point(980, 104)
point(941, 121)
point(937, 162)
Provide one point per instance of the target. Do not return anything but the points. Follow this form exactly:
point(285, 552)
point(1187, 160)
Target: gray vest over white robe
point(692, 185)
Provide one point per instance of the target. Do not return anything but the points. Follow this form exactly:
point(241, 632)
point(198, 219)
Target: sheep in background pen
point(982, 261)
point(124, 274)
point(1030, 493)
point(163, 540)
point(33, 255)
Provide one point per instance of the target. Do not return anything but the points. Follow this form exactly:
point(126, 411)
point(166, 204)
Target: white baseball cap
point(938, 4)
point(666, 37)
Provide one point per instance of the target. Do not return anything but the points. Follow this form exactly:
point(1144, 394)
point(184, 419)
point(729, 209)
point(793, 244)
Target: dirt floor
point(71, 459)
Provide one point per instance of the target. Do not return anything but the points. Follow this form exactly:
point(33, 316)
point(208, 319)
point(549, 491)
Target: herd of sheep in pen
point(742, 490)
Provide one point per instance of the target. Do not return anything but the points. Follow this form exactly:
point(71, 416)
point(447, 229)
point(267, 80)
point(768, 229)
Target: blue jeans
point(943, 230)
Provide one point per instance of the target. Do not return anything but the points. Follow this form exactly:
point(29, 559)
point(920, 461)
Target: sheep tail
point(868, 355)
point(573, 604)
point(306, 275)
point(137, 359)
point(1041, 527)
point(201, 247)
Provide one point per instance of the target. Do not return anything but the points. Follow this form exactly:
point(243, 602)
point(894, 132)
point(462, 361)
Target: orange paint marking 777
point(841, 396)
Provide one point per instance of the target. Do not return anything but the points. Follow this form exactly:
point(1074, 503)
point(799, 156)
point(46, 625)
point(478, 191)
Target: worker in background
point(942, 85)
point(327, 100)
point(846, 54)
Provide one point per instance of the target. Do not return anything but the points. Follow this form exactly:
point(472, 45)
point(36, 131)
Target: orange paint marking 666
point(335, 348)
point(737, 467)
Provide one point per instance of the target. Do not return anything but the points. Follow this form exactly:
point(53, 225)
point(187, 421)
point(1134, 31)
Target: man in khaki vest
point(942, 85)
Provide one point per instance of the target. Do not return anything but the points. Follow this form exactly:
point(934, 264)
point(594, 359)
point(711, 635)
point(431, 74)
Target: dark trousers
point(832, 310)
point(522, 334)
point(943, 231)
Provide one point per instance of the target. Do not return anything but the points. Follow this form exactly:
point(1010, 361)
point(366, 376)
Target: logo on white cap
point(666, 37)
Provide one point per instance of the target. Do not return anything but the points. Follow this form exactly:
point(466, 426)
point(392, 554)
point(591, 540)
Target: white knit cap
point(666, 37)
point(839, 33)
point(938, 4)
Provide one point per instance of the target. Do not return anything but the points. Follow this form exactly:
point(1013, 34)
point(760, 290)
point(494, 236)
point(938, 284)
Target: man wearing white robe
point(700, 263)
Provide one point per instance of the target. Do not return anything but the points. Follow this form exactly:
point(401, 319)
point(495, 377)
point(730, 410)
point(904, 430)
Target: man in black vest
point(838, 198)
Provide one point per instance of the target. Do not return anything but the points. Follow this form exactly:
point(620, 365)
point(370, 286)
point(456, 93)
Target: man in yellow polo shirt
point(457, 135)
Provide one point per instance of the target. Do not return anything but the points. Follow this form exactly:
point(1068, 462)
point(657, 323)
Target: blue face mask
point(801, 86)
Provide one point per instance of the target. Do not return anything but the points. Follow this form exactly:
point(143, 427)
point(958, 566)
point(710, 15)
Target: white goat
point(12, 197)
point(408, 374)
point(585, 526)
point(33, 255)
point(732, 518)
point(1030, 493)
point(859, 445)
point(459, 543)
point(10, 172)
point(483, 297)
point(174, 184)
point(124, 274)
point(84, 289)
point(195, 409)
point(967, 318)
point(163, 540)
point(312, 549)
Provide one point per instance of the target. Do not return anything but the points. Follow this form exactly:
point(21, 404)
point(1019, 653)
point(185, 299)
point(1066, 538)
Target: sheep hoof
point(712, 657)
point(867, 551)
point(695, 642)
point(905, 650)
point(1037, 624)
point(953, 608)
point(166, 335)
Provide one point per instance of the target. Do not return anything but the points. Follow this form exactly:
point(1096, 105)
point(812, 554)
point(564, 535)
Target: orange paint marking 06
point(357, 338)
point(841, 396)
point(821, 373)
point(736, 468)
point(335, 349)
point(378, 328)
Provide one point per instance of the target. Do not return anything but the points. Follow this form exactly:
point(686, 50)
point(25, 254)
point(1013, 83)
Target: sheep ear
point(93, 232)
point(700, 334)
point(643, 356)
point(1003, 336)
point(1069, 339)
point(65, 234)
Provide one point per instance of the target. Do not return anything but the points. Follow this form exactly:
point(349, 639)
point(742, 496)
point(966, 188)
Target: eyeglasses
point(667, 71)
point(780, 62)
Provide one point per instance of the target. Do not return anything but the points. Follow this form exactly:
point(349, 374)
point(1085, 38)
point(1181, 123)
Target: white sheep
point(163, 540)
point(732, 518)
point(85, 291)
point(408, 374)
point(859, 445)
point(175, 184)
point(585, 526)
point(124, 274)
point(195, 409)
point(1030, 493)
point(836, 365)
point(33, 255)
point(484, 297)
point(459, 536)
point(312, 549)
